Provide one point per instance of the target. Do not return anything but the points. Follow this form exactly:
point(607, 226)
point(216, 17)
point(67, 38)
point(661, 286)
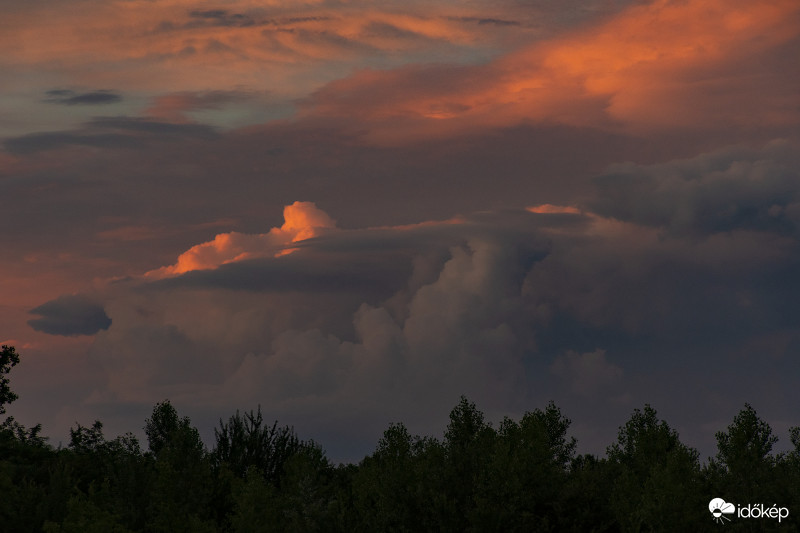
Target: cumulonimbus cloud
point(738, 188)
point(376, 324)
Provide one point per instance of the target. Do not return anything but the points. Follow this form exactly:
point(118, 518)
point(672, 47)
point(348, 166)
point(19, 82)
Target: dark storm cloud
point(694, 291)
point(70, 316)
point(298, 272)
point(68, 97)
point(509, 307)
point(731, 189)
point(377, 262)
point(109, 132)
point(351, 267)
point(644, 294)
point(511, 225)
point(618, 291)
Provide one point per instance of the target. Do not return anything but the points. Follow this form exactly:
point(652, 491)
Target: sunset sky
point(352, 212)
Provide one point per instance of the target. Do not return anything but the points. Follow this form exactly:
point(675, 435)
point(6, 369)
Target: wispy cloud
point(69, 97)
point(108, 132)
point(644, 69)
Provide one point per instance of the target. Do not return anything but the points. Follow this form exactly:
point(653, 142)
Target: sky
point(352, 213)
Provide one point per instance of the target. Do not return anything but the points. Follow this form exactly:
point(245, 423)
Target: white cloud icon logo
point(720, 507)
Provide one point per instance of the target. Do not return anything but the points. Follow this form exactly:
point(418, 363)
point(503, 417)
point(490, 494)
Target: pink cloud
point(303, 220)
point(664, 65)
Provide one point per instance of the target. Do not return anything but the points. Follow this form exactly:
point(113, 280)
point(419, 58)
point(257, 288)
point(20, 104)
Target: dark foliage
point(8, 359)
point(521, 476)
point(244, 442)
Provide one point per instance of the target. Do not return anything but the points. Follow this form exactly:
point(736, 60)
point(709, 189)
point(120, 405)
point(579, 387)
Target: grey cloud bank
point(667, 275)
point(512, 308)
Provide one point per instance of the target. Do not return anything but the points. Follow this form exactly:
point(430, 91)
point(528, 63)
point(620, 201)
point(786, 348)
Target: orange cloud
point(551, 209)
point(303, 220)
point(658, 63)
point(668, 64)
point(181, 45)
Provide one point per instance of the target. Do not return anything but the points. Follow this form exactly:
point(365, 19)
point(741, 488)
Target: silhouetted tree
point(467, 444)
point(182, 492)
point(656, 476)
point(244, 442)
point(8, 359)
point(10, 428)
point(587, 491)
point(162, 426)
point(745, 471)
point(788, 473)
point(253, 510)
point(390, 486)
point(524, 475)
point(85, 515)
point(303, 500)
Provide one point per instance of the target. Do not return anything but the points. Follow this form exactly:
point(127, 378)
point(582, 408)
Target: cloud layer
point(509, 307)
point(584, 201)
point(644, 70)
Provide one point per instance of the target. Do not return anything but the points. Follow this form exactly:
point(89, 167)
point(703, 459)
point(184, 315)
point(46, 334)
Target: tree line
point(523, 475)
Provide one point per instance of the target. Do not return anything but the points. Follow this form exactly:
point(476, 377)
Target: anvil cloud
point(352, 213)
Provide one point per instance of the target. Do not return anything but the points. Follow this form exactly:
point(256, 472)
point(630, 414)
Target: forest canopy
point(523, 475)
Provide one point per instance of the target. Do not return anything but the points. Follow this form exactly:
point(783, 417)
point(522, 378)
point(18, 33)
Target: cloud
point(179, 46)
point(546, 273)
point(361, 326)
point(616, 75)
point(349, 314)
point(69, 97)
point(221, 17)
point(70, 316)
point(413, 117)
point(39, 142)
point(174, 107)
point(154, 127)
point(634, 283)
point(586, 373)
point(492, 21)
point(733, 189)
point(400, 74)
point(296, 274)
point(302, 221)
point(553, 209)
point(109, 132)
